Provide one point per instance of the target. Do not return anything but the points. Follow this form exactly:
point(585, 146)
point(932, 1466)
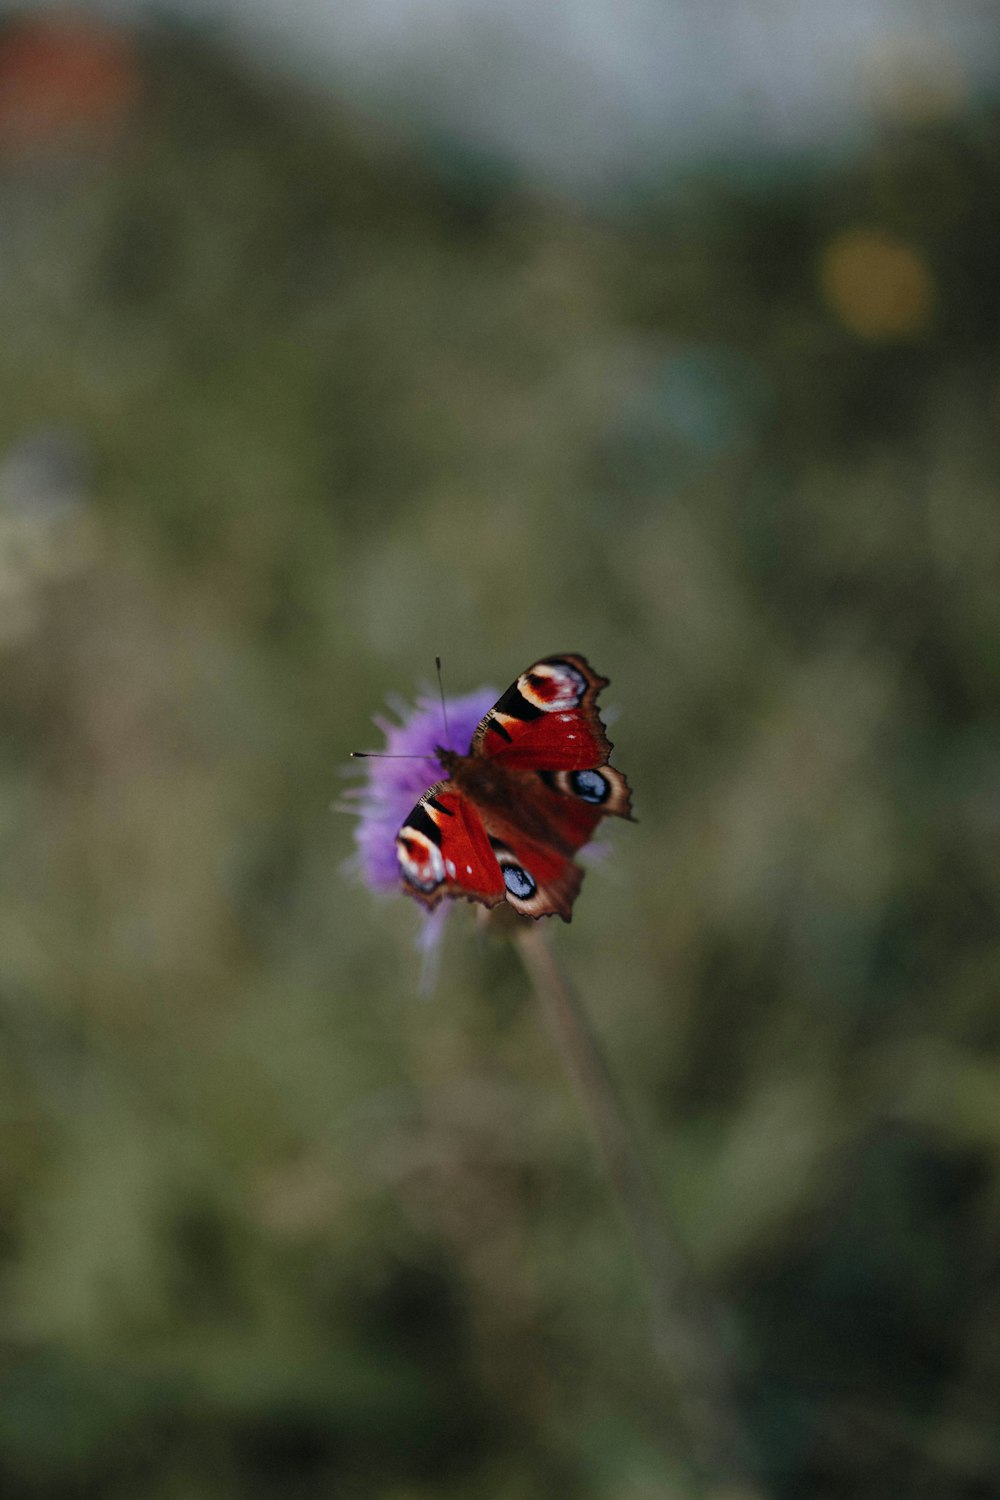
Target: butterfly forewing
point(547, 720)
point(444, 850)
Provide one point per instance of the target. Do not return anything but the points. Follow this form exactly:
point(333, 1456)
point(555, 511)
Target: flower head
point(392, 787)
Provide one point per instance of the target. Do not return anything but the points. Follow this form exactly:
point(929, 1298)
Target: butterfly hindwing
point(552, 814)
point(539, 880)
point(587, 796)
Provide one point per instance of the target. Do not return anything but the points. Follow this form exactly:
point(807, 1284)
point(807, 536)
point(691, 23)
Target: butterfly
point(505, 823)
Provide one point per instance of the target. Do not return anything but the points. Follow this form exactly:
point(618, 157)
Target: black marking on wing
point(498, 728)
point(516, 706)
point(421, 820)
point(449, 812)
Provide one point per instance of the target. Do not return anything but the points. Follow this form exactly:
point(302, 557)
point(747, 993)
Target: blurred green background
point(289, 405)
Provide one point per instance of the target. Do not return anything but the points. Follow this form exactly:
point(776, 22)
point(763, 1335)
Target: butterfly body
point(506, 822)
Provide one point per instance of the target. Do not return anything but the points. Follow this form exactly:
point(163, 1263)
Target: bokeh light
point(879, 286)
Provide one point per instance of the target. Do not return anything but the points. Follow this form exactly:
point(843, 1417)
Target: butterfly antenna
point(444, 706)
point(384, 755)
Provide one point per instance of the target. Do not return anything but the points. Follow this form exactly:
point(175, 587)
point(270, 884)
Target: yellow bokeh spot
point(878, 286)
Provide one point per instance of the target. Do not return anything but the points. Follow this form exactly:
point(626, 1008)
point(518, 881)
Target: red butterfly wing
point(540, 880)
point(547, 720)
point(444, 850)
point(550, 815)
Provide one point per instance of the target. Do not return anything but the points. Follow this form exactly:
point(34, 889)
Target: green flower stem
point(687, 1335)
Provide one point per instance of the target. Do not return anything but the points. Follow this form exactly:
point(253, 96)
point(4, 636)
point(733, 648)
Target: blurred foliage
point(286, 411)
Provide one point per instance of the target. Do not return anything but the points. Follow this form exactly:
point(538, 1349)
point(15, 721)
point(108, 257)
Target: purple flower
point(392, 787)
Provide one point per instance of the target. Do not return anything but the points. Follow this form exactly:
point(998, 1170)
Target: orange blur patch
point(62, 81)
point(879, 286)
